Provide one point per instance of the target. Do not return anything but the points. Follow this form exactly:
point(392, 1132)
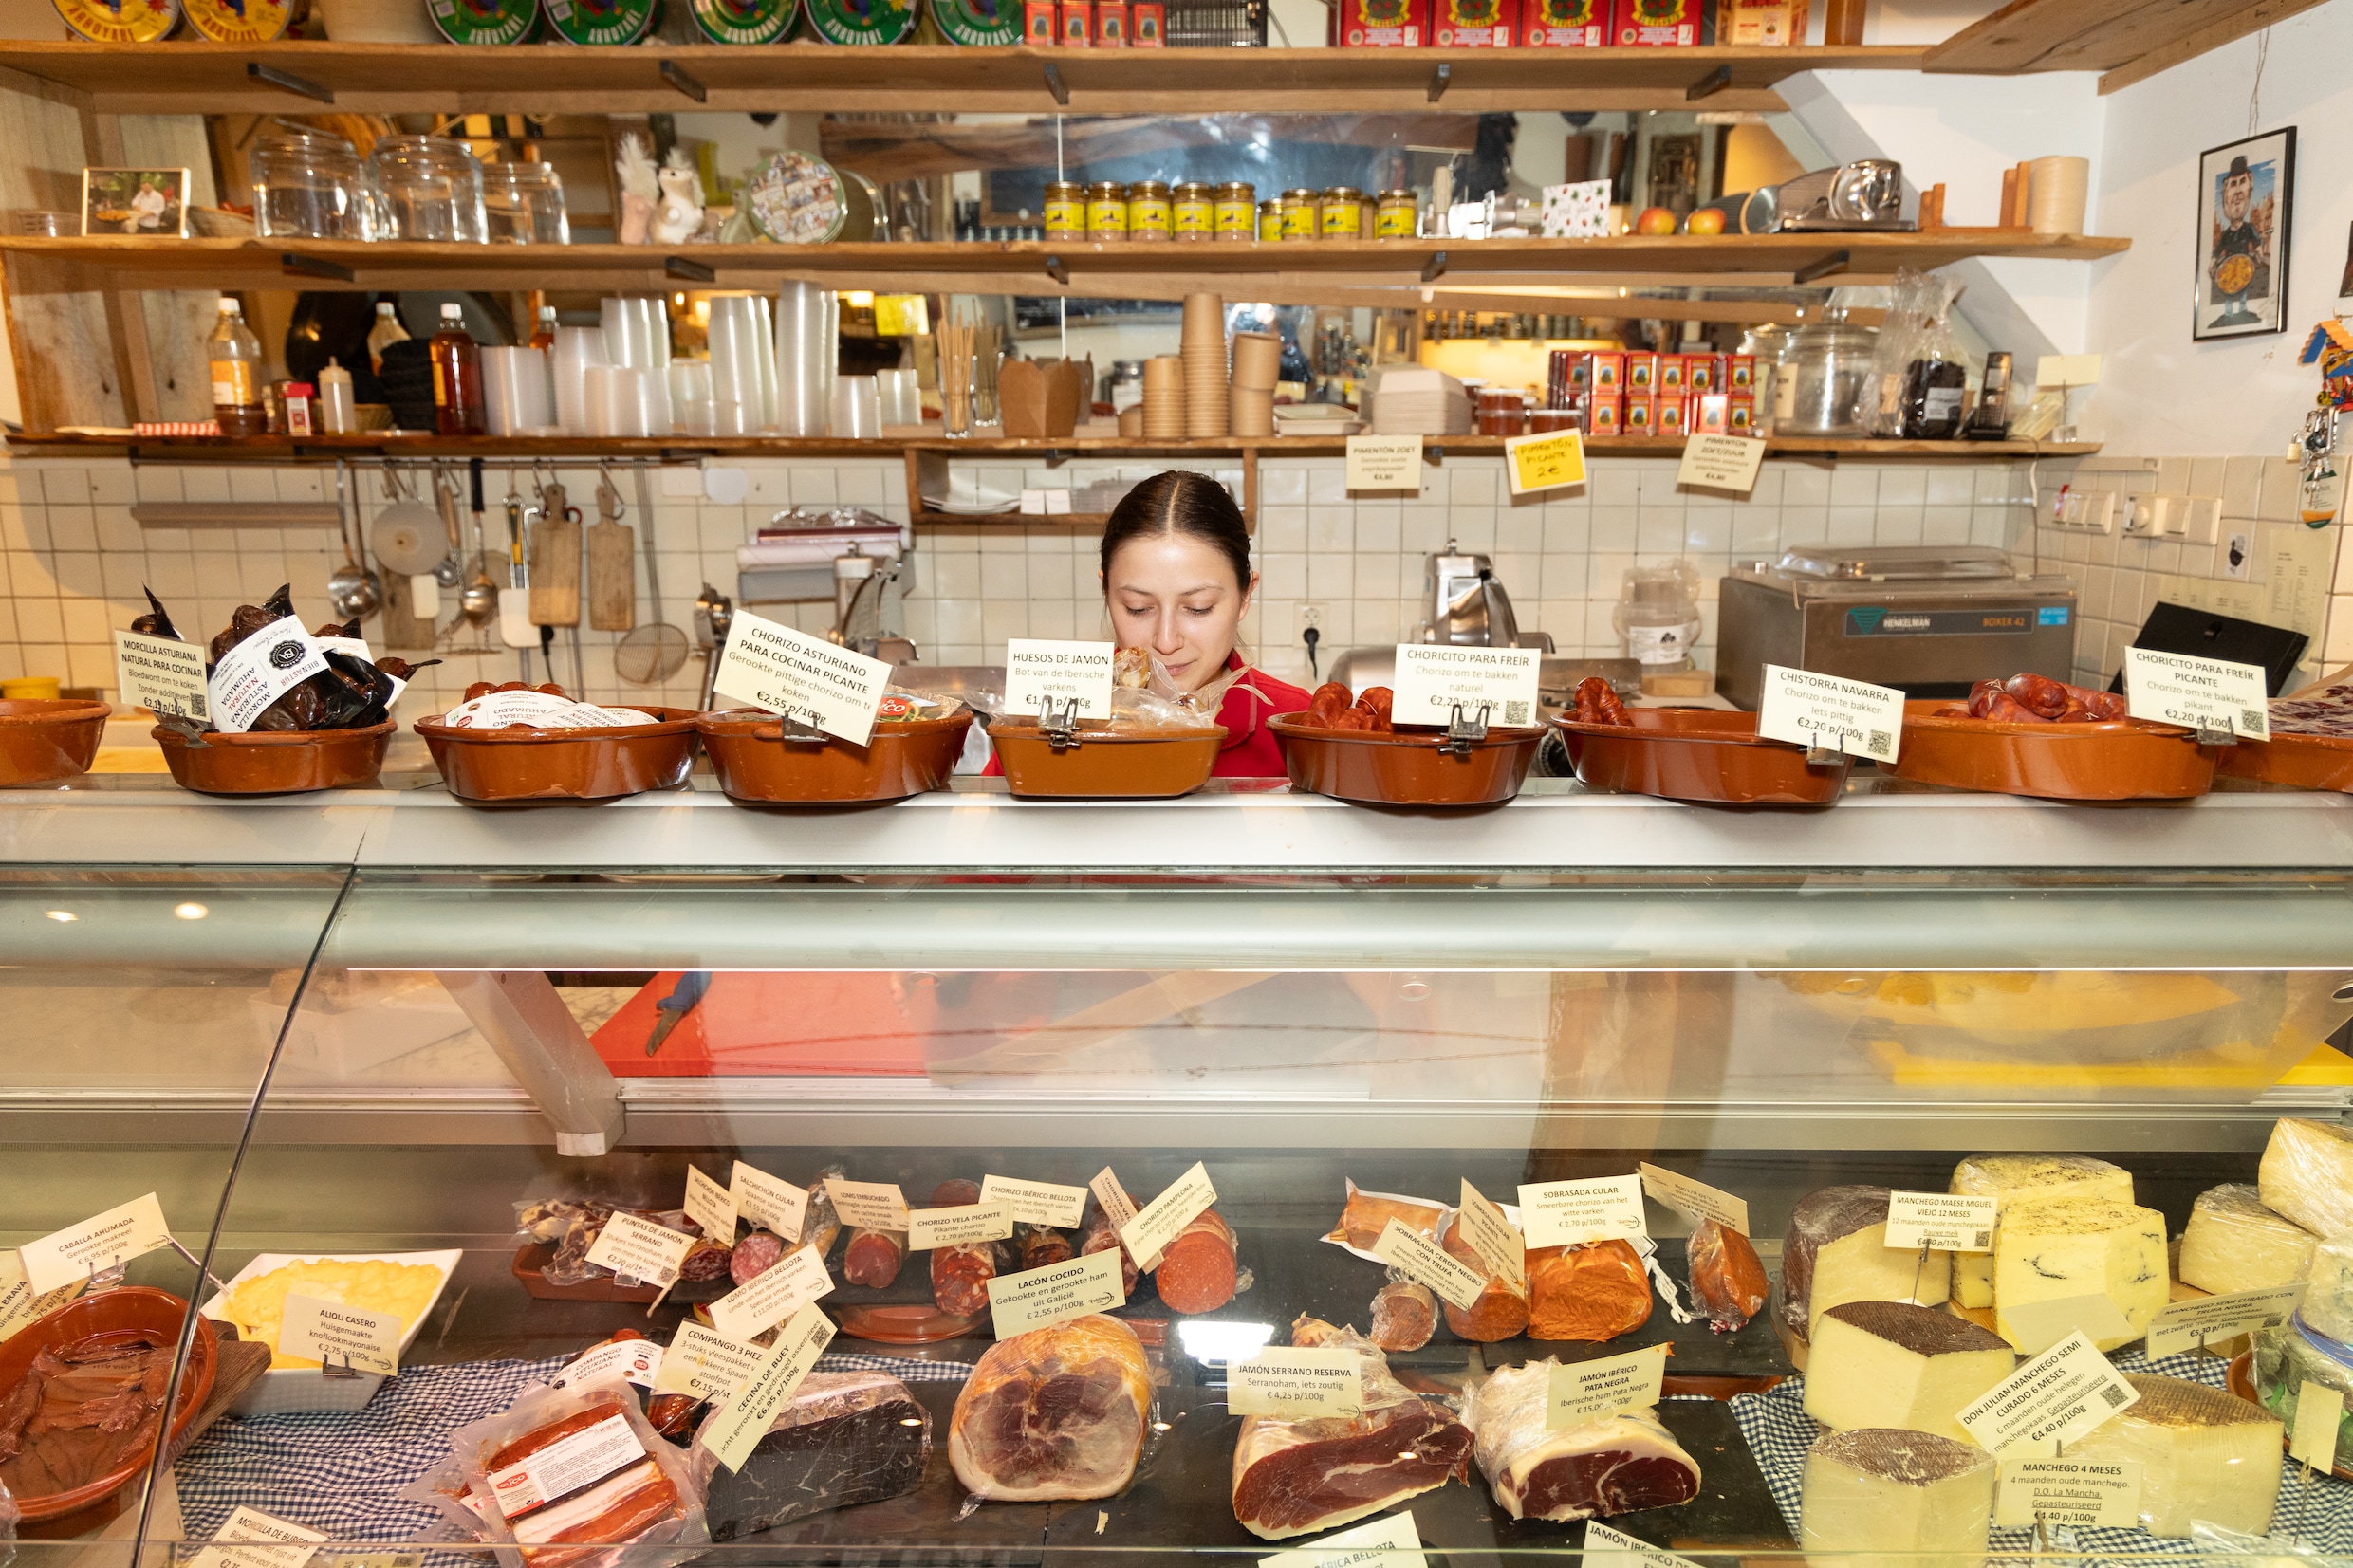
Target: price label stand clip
point(328, 1369)
point(1461, 732)
point(1059, 726)
point(793, 731)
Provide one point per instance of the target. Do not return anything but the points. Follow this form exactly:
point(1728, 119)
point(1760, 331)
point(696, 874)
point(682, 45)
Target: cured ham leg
point(1620, 1465)
point(1053, 1413)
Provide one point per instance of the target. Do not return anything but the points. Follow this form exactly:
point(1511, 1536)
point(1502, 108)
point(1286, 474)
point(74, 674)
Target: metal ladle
point(479, 601)
point(352, 591)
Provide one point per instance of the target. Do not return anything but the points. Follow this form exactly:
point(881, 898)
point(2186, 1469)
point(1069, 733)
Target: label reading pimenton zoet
point(1945, 1221)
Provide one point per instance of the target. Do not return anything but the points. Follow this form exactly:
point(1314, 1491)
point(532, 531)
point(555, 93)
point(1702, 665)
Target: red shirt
point(1250, 750)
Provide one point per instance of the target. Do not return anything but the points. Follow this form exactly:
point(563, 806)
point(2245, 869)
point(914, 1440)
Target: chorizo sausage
point(1100, 1237)
point(961, 1274)
point(1198, 1271)
point(1726, 1279)
point(1499, 1312)
point(1404, 1316)
point(872, 1257)
point(1042, 1245)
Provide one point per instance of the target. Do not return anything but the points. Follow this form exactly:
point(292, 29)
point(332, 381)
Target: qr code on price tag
point(1514, 712)
point(1880, 744)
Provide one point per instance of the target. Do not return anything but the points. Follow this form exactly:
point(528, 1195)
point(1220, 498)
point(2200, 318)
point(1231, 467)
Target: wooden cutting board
point(612, 577)
point(555, 564)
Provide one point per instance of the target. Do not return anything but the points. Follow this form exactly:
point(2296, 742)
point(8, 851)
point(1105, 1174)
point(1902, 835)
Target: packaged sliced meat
point(1292, 1477)
point(1101, 1236)
point(575, 1476)
point(1500, 1312)
point(1368, 1214)
point(1618, 1464)
point(1727, 1277)
point(754, 1256)
point(961, 1274)
point(872, 1257)
point(843, 1438)
point(1404, 1316)
point(1589, 1293)
point(1057, 1412)
point(1198, 1271)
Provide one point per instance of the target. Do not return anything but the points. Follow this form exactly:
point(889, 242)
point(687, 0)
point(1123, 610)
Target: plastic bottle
point(1658, 616)
point(237, 358)
point(336, 414)
point(544, 335)
point(456, 376)
point(386, 332)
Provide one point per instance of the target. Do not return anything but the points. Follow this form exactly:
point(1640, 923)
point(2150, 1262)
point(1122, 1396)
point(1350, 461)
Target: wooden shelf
point(2127, 41)
point(197, 78)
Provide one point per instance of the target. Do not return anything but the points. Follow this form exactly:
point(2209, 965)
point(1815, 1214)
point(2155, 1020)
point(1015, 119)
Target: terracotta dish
point(2120, 760)
point(1405, 767)
point(1703, 754)
point(2307, 762)
point(276, 762)
point(910, 1324)
point(1142, 764)
point(903, 757)
point(44, 740)
point(519, 764)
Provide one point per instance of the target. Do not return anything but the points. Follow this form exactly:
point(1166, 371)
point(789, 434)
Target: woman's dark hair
point(1180, 501)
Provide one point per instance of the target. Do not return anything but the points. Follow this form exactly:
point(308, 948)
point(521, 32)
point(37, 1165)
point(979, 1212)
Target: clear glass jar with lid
point(1657, 616)
point(1825, 385)
point(427, 188)
point(523, 204)
point(310, 185)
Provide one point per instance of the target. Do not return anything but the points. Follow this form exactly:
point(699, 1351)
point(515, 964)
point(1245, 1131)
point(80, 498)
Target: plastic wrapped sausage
point(1500, 1312)
point(961, 1274)
point(577, 1476)
point(1198, 1271)
point(872, 1257)
point(1727, 1277)
point(1099, 1236)
point(1404, 1316)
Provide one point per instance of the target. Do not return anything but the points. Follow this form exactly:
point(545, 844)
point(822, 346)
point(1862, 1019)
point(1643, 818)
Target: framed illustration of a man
point(2245, 195)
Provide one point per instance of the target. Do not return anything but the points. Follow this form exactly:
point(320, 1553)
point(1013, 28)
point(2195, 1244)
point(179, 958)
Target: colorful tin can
point(121, 21)
point(767, 21)
point(1111, 24)
point(1148, 22)
point(1565, 23)
point(239, 21)
point(1606, 414)
point(1474, 24)
point(1037, 24)
point(1382, 24)
point(1715, 413)
point(1642, 374)
point(1740, 373)
point(1672, 369)
point(977, 24)
point(1641, 415)
point(599, 23)
point(1740, 413)
point(1658, 24)
point(1074, 24)
point(1608, 375)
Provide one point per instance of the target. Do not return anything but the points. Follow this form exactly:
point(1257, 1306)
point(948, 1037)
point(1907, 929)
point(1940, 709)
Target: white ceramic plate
point(283, 1391)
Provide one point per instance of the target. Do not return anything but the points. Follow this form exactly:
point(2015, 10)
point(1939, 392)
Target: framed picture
point(153, 202)
point(2245, 192)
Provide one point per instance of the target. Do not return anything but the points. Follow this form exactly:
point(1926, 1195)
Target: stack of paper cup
point(516, 397)
point(1257, 362)
point(743, 357)
point(1164, 397)
point(809, 323)
point(857, 408)
point(577, 349)
point(1203, 354)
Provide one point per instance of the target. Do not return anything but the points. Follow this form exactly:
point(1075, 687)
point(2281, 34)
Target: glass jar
point(1270, 220)
point(1236, 214)
point(1398, 217)
point(524, 204)
point(1065, 211)
point(1825, 384)
point(310, 186)
point(1340, 213)
point(1107, 211)
point(1148, 212)
point(1193, 212)
point(427, 188)
point(1298, 214)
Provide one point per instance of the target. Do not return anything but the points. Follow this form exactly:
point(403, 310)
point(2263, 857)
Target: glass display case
point(385, 1052)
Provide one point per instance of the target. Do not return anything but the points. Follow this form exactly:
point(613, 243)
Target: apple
point(1705, 220)
point(1655, 220)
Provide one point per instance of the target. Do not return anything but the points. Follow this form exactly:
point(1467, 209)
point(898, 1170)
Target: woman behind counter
point(1177, 580)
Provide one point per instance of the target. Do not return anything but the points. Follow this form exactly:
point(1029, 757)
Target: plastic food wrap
point(1055, 1413)
point(2293, 1354)
point(843, 1438)
point(2308, 1174)
point(1617, 1465)
point(575, 1475)
point(1501, 1310)
point(1404, 1316)
point(1918, 365)
point(570, 1264)
point(1727, 1277)
point(1586, 1293)
point(2233, 1242)
point(1368, 1214)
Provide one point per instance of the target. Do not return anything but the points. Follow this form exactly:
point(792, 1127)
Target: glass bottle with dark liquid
point(456, 376)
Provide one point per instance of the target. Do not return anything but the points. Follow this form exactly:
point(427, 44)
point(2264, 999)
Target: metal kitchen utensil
point(655, 650)
point(352, 592)
point(408, 536)
point(713, 614)
point(479, 602)
point(447, 572)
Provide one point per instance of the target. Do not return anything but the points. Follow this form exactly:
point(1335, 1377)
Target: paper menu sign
point(1496, 1239)
point(732, 1430)
point(252, 1538)
point(1432, 678)
point(2211, 1320)
point(2035, 1326)
point(1040, 1298)
point(1297, 1383)
point(770, 665)
point(1945, 1221)
point(779, 1207)
point(1601, 1537)
point(1387, 1542)
point(1588, 1391)
point(1831, 712)
point(1119, 1207)
point(333, 1334)
point(2196, 693)
point(705, 1364)
point(2320, 1412)
point(2057, 1397)
point(932, 1228)
point(259, 671)
point(1426, 1263)
point(768, 1298)
point(2069, 1491)
point(1695, 1199)
point(1039, 670)
point(1159, 1221)
point(72, 1255)
point(1721, 463)
point(1385, 463)
point(1571, 1214)
point(641, 1249)
point(711, 1205)
point(1036, 1202)
point(161, 674)
point(868, 1205)
point(1545, 462)
point(21, 1304)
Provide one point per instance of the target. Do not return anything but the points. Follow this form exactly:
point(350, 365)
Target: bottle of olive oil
point(237, 358)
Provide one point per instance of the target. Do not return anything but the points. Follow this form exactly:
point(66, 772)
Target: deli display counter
point(1421, 1101)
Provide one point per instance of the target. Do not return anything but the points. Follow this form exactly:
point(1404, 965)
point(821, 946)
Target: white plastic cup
point(857, 408)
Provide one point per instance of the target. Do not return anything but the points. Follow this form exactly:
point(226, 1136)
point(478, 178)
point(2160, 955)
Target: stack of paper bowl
point(1257, 362)
point(1164, 397)
point(1204, 358)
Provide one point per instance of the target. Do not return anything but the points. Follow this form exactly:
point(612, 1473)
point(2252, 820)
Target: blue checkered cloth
point(2318, 1512)
point(342, 1472)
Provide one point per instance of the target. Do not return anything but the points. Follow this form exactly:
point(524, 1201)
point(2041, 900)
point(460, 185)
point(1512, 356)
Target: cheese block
point(1887, 1496)
point(2327, 1306)
point(2006, 1178)
point(2234, 1242)
point(2204, 1454)
point(2081, 1246)
point(1892, 1364)
point(2306, 1174)
point(1836, 1251)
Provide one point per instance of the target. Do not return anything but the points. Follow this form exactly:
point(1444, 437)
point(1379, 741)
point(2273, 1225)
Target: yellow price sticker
point(1545, 462)
point(901, 316)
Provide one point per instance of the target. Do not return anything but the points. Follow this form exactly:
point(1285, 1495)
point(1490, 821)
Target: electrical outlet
point(1310, 615)
point(2147, 516)
point(2099, 511)
point(2201, 516)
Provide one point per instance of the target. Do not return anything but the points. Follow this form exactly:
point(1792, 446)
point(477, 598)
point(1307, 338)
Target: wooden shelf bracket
point(681, 78)
point(688, 271)
point(1710, 84)
point(1440, 80)
point(1055, 85)
point(1433, 267)
point(1837, 261)
point(311, 266)
point(288, 80)
point(1056, 270)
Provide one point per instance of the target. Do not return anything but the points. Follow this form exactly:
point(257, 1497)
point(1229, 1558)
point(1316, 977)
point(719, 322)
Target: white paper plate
point(283, 1391)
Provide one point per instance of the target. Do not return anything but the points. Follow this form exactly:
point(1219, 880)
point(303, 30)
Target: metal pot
point(1824, 384)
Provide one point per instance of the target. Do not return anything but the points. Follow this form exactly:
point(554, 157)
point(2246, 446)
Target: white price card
point(1494, 686)
point(72, 1255)
point(1036, 1202)
point(1496, 1239)
point(732, 1430)
point(2035, 1326)
point(2069, 1491)
point(703, 1364)
point(636, 1361)
point(161, 674)
point(255, 1539)
point(929, 1229)
point(332, 1334)
point(773, 1295)
point(21, 1304)
point(711, 1205)
point(1297, 1384)
point(259, 671)
point(1040, 1298)
point(2211, 1320)
point(1588, 1391)
point(1423, 1260)
point(1390, 1542)
point(770, 665)
point(1831, 712)
point(1945, 1221)
point(1385, 463)
point(1119, 1207)
point(1571, 1214)
point(1545, 462)
point(1159, 1221)
point(1626, 1549)
point(1694, 1199)
point(641, 1250)
point(2057, 1397)
point(1039, 671)
point(2320, 1415)
point(2196, 693)
point(778, 1207)
point(868, 1205)
point(1721, 463)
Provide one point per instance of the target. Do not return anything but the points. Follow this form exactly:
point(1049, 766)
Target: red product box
point(1703, 372)
point(1565, 23)
point(1382, 24)
point(1074, 24)
point(1475, 24)
point(1606, 414)
point(1642, 373)
point(1715, 413)
point(1671, 369)
point(1147, 23)
point(1608, 373)
point(1739, 372)
point(1672, 415)
point(1656, 24)
point(1740, 413)
point(1037, 24)
point(1641, 414)
point(1111, 24)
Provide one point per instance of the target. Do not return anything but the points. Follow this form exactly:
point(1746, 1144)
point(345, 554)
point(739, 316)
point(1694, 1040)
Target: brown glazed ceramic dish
point(2307, 762)
point(274, 762)
point(1704, 754)
point(1405, 767)
point(2118, 760)
point(520, 764)
point(900, 758)
point(1141, 763)
point(44, 740)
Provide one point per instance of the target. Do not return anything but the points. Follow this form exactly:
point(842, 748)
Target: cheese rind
point(1907, 1497)
point(2306, 1174)
point(1892, 1364)
point(1836, 1251)
point(2080, 1246)
point(2203, 1454)
point(2234, 1242)
point(2026, 1178)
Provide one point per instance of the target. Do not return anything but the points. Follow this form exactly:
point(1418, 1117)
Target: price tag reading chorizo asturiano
point(2196, 693)
point(1491, 686)
point(1694, 1199)
point(778, 1207)
point(1588, 1391)
point(1039, 671)
point(1159, 1221)
point(1040, 1298)
point(641, 1250)
point(1036, 1202)
point(1831, 712)
point(2057, 1397)
point(931, 1228)
point(1297, 1383)
point(868, 1205)
point(1497, 1240)
point(1571, 1214)
point(1945, 1221)
point(1425, 1262)
point(732, 1430)
point(771, 665)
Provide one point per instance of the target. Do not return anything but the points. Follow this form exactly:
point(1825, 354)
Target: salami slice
point(1404, 1316)
point(1040, 1245)
point(1100, 1237)
point(1500, 1312)
point(961, 1274)
point(706, 1260)
point(1196, 1273)
point(754, 1256)
point(872, 1257)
